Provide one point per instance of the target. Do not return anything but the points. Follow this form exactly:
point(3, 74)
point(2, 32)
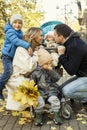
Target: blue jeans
point(76, 89)
point(7, 66)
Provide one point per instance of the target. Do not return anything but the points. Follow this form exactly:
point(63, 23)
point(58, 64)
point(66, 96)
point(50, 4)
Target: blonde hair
point(31, 35)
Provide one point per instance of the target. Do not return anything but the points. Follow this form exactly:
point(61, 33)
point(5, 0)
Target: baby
point(50, 42)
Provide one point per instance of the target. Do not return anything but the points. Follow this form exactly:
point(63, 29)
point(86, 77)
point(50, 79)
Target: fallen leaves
point(69, 128)
point(53, 128)
point(82, 118)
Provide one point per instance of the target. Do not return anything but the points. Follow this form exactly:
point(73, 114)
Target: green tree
point(3, 19)
point(31, 16)
point(27, 8)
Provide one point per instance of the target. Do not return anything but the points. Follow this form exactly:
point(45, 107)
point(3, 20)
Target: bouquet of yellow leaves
point(27, 94)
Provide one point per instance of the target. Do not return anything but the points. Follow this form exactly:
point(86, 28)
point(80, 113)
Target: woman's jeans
point(76, 88)
point(7, 71)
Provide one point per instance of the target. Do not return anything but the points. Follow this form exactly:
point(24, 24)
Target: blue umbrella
point(49, 26)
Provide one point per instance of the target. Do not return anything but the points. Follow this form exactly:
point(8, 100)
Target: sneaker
point(72, 100)
point(38, 119)
point(57, 119)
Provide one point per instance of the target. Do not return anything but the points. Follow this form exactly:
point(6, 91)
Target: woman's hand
point(30, 51)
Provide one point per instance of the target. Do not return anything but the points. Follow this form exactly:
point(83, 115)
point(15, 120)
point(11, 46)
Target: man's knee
point(66, 92)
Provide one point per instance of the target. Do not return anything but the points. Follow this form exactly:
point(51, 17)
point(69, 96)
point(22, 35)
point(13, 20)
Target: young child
point(13, 39)
point(50, 42)
point(46, 77)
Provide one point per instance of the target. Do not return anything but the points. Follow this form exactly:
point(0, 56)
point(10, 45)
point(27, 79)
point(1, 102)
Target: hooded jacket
point(13, 39)
point(75, 58)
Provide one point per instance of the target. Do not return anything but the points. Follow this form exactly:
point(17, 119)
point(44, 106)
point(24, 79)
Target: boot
point(38, 119)
point(1, 96)
point(57, 119)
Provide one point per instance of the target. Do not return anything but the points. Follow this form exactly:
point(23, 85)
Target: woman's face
point(39, 38)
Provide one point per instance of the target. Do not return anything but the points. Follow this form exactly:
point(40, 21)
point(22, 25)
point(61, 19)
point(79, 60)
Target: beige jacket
point(23, 64)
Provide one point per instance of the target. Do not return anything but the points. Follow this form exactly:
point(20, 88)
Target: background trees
point(27, 8)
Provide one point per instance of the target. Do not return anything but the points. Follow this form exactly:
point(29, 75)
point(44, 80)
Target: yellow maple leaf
point(53, 128)
point(79, 115)
point(69, 128)
point(27, 93)
point(15, 113)
point(84, 122)
point(22, 121)
point(79, 119)
point(28, 84)
point(26, 114)
point(1, 109)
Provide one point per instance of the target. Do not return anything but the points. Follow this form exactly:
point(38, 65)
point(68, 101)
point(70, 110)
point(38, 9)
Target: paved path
point(78, 120)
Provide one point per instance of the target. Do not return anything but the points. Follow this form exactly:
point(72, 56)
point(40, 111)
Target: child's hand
point(47, 66)
point(30, 51)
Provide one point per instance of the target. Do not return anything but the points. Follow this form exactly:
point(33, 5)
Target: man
point(73, 57)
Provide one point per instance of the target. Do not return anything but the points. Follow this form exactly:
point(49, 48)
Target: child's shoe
point(38, 119)
point(57, 119)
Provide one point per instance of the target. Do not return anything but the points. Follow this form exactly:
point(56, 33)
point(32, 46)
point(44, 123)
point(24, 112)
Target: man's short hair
point(63, 29)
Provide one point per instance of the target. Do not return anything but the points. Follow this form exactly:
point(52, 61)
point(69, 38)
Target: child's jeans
point(53, 100)
point(7, 71)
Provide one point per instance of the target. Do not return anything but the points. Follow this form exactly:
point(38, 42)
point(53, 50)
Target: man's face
point(58, 38)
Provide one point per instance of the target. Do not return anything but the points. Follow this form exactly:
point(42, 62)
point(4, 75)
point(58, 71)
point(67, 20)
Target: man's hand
point(61, 50)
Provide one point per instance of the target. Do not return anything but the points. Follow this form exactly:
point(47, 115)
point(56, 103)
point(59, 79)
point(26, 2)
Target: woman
point(23, 65)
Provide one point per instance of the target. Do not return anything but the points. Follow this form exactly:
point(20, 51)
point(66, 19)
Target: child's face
point(47, 66)
point(50, 38)
point(17, 25)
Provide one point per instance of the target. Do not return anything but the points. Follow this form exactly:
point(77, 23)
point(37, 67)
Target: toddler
point(46, 77)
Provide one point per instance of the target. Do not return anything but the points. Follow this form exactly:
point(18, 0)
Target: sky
point(49, 6)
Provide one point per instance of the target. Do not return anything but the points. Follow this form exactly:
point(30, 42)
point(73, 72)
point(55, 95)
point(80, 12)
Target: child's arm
point(55, 76)
point(15, 40)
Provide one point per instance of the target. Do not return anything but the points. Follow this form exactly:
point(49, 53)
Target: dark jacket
point(13, 39)
point(46, 81)
point(75, 58)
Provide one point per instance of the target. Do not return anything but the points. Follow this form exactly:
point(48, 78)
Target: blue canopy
point(49, 26)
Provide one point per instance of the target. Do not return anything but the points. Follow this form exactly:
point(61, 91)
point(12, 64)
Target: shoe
point(57, 119)
point(38, 119)
point(72, 100)
point(84, 103)
point(1, 96)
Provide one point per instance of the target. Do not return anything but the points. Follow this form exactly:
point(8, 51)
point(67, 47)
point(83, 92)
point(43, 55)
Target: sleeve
point(23, 61)
point(15, 40)
point(55, 76)
point(72, 60)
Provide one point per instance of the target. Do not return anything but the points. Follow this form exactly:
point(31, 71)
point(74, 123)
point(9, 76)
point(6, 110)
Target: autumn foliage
point(27, 94)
